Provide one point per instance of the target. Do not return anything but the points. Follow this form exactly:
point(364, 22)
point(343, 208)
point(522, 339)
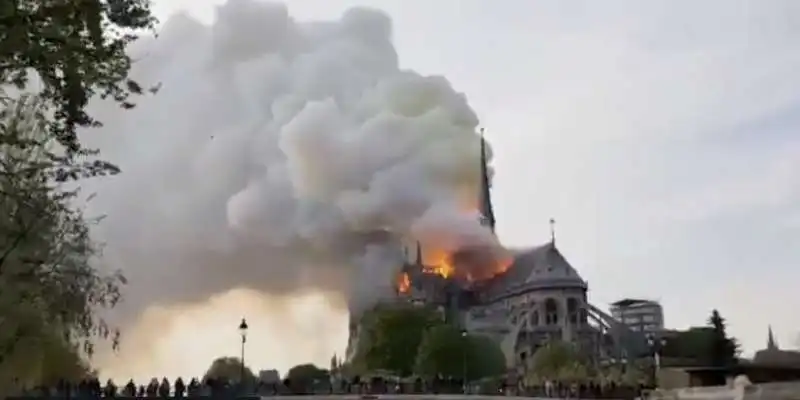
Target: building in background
point(639, 315)
point(269, 376)
point(533, 297)
point(774, 355)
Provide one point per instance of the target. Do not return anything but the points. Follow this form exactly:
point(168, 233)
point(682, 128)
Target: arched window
point(550, 312)
point(572, 310)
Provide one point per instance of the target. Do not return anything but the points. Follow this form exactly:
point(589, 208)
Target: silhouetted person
point(164, 388)
point(141, 392)
point(194, 388)
point(213, 386)
point(110, 390)
point(82, 387)
point(180, 387)
point(130, 389)
point(152, 388)
point(61, 388)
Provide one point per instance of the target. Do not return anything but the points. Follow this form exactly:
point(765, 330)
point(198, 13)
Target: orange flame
point(502, 265)
point(439, 263)
point(403, 283)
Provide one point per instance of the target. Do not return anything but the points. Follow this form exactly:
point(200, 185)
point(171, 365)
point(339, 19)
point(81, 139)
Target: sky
point(662, 136)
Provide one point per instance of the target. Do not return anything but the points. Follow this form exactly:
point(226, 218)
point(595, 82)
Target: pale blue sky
point(662, 136)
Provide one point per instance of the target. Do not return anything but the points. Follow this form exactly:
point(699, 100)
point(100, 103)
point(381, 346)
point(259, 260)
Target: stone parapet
point(770, 391)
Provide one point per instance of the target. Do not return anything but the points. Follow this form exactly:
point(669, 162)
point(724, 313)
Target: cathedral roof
point(540, 267)
point(773, 355)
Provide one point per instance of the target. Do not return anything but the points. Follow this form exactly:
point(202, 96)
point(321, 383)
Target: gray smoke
point(280, 156)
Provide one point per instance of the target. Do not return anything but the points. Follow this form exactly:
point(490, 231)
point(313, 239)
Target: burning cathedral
point(521, 301)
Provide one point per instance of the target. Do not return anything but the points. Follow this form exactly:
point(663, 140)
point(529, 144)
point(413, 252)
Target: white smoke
point(280, 156)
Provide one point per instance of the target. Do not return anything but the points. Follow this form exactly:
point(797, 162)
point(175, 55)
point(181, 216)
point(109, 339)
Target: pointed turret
point(771, 345)
point(485, 199)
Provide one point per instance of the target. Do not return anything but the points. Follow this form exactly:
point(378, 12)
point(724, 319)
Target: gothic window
point(535, 318)
point(550, 312)
point(572, 310)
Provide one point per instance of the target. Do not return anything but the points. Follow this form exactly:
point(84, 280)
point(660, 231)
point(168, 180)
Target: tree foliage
point(76, 48)
point(443, 352)
point(228, 368)
point(67, 51)
point(723, 350)
point(50, 292)
point(305, 376)
point(446, 351)
point(60, 359)
point(558, 360)
point(704, 345)
point(390, 336)
point(484, 358)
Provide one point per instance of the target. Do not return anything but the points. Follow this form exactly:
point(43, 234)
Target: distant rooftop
point(629, 302)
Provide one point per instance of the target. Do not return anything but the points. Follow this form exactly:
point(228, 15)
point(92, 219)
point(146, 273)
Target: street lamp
point(464, 360)
point(243, 332)
point(656, 344)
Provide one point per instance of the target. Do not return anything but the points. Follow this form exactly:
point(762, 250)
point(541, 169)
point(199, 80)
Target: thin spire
point(771, 344)
point(486, 209)
point(418, 260)
point(553, 231)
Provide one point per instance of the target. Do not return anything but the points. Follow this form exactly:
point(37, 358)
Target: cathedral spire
point(485, 200)
point(418, 260)
point(771, 345)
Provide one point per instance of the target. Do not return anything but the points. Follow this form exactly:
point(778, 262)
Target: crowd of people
point(588, 390)
point(92, 388)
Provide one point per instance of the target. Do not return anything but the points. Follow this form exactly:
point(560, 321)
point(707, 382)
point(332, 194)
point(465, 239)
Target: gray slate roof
point(540, 267)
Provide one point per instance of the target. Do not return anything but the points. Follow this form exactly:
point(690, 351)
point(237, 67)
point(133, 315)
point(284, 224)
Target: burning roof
point(468, 266)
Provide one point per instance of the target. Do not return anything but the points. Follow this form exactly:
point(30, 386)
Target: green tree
point(704, 345)
point(723, 350)
point(51, 292)
point(61, 360)
point(689, 346)
point(443, 351)
point(229, 368)
point(302, 378)
point(485, 358)
point(446, 351)
point(390, 336)
point(557, 360)
point(42, 359)
point(77, 49)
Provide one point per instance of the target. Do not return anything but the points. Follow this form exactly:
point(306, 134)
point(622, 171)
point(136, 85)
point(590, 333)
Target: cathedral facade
point(538, 297)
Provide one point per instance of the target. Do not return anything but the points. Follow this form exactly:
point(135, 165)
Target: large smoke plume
point(279, 157)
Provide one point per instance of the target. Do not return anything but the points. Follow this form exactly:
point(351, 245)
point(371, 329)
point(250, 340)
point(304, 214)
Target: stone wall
point(405, 397)
point(767, 391)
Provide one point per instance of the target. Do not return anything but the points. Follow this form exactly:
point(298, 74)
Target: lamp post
point(464, 360)
point(656, 344)
point(243, 332)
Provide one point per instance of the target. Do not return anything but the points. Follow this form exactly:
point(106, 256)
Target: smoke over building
point(521, 298)
point(279, 157)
